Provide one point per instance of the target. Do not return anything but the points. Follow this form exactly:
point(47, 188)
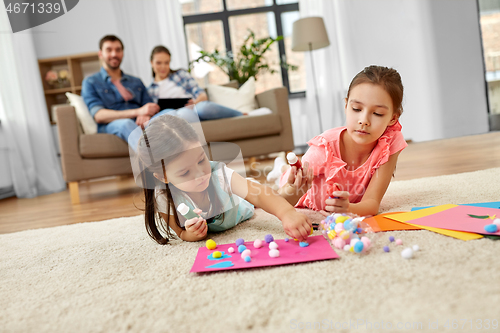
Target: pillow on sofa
point(89, 125)
point(242, 99)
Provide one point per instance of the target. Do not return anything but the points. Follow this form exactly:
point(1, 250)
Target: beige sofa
point(85, 157)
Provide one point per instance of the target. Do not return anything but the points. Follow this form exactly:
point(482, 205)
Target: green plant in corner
point(250, 60)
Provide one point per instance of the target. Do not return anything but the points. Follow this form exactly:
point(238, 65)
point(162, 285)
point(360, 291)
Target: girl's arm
point(193, 233)
point(370, 203)
point(295, 224)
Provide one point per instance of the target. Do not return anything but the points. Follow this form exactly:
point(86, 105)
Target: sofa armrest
point(277, 100)
point(67, 127)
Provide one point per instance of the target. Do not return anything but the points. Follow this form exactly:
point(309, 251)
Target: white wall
point(78, 31)
point(435, 45)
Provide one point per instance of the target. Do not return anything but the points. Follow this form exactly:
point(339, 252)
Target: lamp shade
point(309, 31)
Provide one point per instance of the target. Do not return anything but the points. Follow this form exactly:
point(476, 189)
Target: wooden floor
point(119, 197)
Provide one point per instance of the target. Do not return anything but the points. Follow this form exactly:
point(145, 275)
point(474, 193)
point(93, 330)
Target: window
point(223, 25)
point(490, 28)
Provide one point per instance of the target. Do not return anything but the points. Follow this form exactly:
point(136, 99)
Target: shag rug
point(110, 277)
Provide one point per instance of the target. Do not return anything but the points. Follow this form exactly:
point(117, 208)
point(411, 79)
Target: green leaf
point(482, 217)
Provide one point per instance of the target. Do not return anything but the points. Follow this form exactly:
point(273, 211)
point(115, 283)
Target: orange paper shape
point(382, 223)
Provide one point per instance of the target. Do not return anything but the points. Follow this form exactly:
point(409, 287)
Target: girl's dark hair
point(388, 78)
point(160, 49)
point(163, 140)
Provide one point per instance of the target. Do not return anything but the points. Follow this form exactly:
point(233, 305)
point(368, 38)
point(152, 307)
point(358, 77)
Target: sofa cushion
point(237, 128)
point(242, 99)
point(102, 145)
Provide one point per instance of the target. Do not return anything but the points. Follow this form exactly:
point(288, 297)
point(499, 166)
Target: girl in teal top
point(177, 170)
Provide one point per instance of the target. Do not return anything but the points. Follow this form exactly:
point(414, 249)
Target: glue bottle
point(186, 211)
point(293, 160)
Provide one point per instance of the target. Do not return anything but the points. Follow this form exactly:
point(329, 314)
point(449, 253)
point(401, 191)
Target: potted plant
point(250, 60)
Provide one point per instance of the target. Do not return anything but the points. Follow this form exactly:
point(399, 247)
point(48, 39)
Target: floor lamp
point(310, 34)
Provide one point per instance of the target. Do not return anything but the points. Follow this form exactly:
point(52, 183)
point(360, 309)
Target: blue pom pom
point(269, 238)
point(491, 228)
point(239, 241)
point(241, 248)
point(347, 224)
point(358, 247)
point(248, 259)
point(304, 244)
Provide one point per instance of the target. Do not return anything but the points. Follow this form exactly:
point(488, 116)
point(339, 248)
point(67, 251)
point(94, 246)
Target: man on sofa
point(118, 102)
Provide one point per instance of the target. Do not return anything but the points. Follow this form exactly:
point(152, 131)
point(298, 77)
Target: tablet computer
point(172, 103)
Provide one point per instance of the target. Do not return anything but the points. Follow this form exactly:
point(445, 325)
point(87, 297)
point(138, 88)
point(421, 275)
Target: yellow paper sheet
point(406, 217)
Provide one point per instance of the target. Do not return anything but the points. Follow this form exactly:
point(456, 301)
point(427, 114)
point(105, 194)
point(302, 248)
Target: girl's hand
point(298, 183)
point(190, 102)
point(197, 226)
point(338, 204)
point(296, 225)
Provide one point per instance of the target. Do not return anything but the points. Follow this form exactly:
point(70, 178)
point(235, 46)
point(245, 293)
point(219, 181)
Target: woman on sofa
point(168, 83)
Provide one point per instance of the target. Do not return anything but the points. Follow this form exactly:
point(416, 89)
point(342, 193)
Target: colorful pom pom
point(257, 244)
point(230, 250)
point(274, 253)
point(239, 241)
point(339, 243)
point(407, 253)
point(247, 259)
point(399, 242)
point(287, 239)
point(415, 248)
point(391, 238)
point(273, 245)
point(347, 247)
point(241, 248)
point(358, 247)
point(386, 249)
point(211, 244)
point(332, 234)
point(269, 238)
point(216, 254)
point(491, 228)
point(246, 253)
point(341, 219)
point(339, 227)
point(303, 244)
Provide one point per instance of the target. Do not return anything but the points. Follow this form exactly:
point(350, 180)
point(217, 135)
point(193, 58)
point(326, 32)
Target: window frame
point(224, 16)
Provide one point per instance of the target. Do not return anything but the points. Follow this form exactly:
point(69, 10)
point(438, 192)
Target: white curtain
point(31, 154)
point(146, 24)
point(434, 44)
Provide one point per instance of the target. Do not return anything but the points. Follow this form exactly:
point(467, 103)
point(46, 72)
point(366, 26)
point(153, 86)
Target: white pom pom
point(407, 253)
point(273, 245)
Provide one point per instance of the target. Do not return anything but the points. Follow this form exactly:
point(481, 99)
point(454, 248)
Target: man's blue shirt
point(99, 92)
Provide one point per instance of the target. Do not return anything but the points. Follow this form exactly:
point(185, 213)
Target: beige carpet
point(109, 277)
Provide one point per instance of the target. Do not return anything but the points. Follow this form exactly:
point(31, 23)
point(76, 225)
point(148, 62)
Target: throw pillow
point(242, 99)
point(88, 123)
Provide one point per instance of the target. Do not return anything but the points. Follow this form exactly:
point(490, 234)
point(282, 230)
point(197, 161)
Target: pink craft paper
point(290, 253)
point(457, 218)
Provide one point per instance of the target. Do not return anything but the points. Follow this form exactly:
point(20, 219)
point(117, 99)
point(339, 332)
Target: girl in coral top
point(348, 169)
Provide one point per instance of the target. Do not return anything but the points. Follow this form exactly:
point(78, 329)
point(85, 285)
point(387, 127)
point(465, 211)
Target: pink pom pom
point(399, 242)
point(339, 243)
point(257, 244)
point(339, 227)
point(246, 253)
point(230, 250)
point(366, 242)
point(273, 245)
